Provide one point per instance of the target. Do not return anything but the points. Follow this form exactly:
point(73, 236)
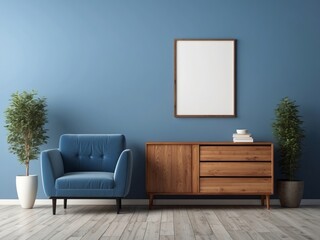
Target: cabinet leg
point(150, 200)
point(268, 201)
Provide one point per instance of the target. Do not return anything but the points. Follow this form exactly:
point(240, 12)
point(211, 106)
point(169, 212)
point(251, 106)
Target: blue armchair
point(87, 166)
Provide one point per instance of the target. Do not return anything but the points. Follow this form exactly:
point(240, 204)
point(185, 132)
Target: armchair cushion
point(85, 180)
point(96, 152)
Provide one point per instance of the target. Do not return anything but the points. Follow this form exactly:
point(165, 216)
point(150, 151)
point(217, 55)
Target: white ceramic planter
point(27, 187)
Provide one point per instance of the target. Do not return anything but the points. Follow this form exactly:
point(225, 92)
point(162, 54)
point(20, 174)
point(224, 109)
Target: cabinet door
point(168, 168)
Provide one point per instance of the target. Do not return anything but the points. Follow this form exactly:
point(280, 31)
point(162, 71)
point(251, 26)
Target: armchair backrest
point(91, 152)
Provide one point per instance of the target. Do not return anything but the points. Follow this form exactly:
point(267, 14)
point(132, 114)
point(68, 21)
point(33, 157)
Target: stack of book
point(242, 137)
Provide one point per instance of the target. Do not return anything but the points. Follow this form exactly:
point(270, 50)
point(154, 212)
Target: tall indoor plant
point(26, 117)
point(288, 131)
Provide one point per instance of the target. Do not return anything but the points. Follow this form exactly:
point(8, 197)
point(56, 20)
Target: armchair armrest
point(123, 173)
point(51, 168)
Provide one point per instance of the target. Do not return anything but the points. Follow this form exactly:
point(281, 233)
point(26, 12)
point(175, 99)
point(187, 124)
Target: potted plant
point(25, 119)
point(288, 131)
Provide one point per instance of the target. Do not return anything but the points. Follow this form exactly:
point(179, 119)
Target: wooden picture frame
point(205, 78)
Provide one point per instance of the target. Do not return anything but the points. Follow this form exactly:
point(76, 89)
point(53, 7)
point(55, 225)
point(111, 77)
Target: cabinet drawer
point(235, 153)
point(236, 185)
point(237, 169)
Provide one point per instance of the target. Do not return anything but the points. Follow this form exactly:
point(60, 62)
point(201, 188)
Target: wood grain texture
point(235, 153)
point(235, 169)
point(169, 168)
point(236, 185)
point(195, 168)
point(136, 222)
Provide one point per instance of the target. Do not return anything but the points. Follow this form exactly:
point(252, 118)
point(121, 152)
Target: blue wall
point(107, 67)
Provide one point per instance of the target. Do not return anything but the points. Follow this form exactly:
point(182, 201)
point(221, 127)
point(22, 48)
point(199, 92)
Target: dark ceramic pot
point(290, 193)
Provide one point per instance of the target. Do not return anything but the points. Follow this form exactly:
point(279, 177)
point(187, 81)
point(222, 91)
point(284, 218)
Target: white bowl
point(242, 131)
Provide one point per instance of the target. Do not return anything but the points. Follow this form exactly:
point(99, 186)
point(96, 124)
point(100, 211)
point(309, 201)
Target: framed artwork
point(205, 77)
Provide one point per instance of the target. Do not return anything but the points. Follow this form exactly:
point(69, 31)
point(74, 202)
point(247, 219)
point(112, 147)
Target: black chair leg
point(118, 205)
point(54, 205)
point(65, 203)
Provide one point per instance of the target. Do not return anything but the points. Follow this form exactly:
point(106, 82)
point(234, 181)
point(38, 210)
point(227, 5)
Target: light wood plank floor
point(162, 222)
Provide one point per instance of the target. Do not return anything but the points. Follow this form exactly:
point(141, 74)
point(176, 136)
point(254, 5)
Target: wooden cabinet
point(209, 168)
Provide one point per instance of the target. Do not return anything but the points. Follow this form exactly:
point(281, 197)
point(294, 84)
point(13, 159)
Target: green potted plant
point(288, 131)
point(25, 119)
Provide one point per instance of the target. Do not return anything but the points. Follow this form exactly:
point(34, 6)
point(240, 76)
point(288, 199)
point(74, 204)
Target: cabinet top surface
point(212, 143)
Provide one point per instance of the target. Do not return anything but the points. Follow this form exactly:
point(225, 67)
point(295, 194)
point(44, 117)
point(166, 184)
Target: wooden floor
point(215, 222)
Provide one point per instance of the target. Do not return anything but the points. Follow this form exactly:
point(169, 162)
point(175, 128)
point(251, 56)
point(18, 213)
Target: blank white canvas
point(205, 77)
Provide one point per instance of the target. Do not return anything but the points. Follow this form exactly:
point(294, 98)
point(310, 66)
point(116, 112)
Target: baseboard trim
point(186, 202)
